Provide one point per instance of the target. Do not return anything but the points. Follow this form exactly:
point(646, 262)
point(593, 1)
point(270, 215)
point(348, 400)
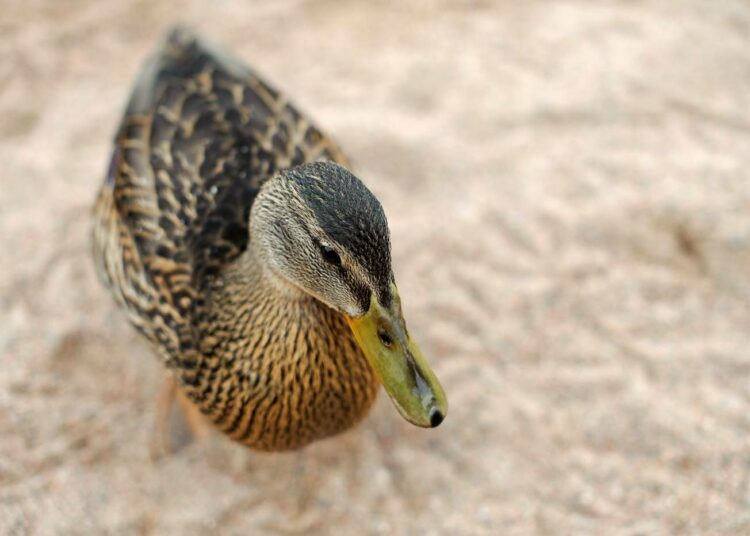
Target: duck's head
point(317, 229)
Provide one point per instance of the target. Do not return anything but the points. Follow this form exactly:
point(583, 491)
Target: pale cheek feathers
point(301, 266)
point(336, 293)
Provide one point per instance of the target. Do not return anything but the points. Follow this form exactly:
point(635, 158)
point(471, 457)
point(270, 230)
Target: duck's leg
point(177, 425)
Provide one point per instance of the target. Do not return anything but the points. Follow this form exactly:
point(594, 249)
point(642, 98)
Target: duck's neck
point(278, 369)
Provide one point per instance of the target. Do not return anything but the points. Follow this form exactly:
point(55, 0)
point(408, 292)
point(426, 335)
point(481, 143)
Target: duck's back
point(200, 135)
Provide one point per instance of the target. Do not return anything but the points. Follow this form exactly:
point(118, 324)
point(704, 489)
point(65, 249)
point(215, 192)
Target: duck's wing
point(200, 134)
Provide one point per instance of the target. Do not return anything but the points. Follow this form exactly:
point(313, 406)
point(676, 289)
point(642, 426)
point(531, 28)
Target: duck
point(232, 233)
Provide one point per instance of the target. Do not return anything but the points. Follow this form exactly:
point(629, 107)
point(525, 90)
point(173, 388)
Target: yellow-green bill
point(399, 364)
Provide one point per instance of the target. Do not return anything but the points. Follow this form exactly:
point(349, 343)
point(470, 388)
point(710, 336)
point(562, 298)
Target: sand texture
point(568, 194)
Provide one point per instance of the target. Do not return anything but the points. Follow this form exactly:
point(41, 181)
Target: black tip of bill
point(436, 417)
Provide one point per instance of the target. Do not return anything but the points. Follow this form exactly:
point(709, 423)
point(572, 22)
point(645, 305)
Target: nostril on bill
point(385, 338)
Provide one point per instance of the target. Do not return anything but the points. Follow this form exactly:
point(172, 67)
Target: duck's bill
point(399, 364)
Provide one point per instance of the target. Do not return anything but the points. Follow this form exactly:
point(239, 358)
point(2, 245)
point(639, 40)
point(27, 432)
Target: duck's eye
point(329, 255)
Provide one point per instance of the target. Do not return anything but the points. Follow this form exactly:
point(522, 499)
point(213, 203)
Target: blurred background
point(567, 188)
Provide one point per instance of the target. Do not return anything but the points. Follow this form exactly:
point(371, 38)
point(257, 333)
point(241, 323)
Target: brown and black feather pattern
point(200, 135)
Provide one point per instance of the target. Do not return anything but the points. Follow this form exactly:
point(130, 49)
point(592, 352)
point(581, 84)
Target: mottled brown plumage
point(247, 308)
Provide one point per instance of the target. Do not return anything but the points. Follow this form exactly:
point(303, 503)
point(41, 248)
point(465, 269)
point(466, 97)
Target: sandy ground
point(568, 195)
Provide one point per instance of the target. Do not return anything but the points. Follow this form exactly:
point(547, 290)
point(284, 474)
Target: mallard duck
point(257, 265)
